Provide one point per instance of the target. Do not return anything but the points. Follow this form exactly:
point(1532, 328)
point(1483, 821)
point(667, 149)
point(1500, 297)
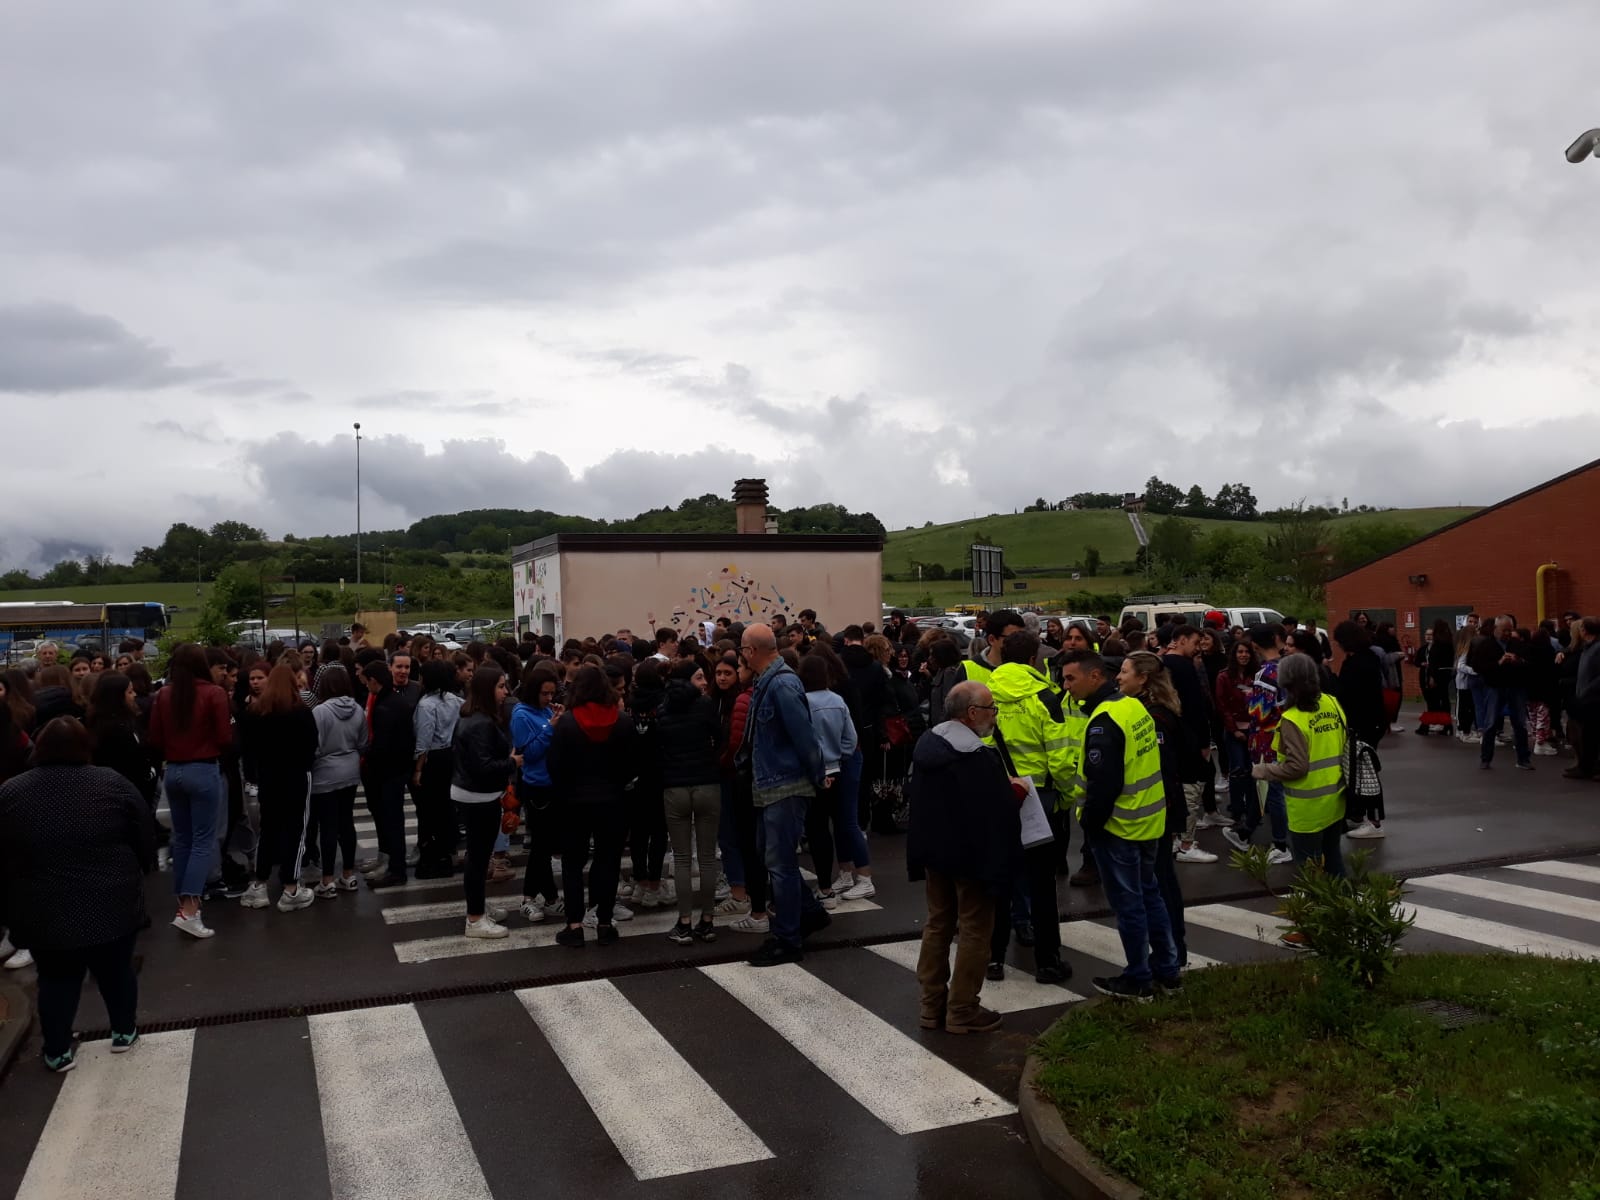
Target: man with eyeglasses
point(965, 843)
point(780, 751)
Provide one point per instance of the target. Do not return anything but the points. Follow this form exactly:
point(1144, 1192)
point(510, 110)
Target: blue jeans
point(1490, 704)
point(778, 838)
point(849, 843)
point(1128, 875)
point(194, 794)
point(728, 839)
point(1277, 814)
point(1323, 844)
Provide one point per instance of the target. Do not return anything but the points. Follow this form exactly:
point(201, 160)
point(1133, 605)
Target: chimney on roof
point(750, 505)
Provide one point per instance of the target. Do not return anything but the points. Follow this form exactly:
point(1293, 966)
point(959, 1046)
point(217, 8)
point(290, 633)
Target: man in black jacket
point(387, 769)
point(965, 841)
point(1182, 644)
point(1501, 687)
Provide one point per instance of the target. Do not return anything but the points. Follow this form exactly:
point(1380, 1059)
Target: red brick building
point(1533, 555)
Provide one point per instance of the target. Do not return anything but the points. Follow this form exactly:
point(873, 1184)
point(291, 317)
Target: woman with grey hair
point(1310, 745)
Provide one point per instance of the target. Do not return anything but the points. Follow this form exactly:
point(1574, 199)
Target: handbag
point(510, 810)
point(897, 730)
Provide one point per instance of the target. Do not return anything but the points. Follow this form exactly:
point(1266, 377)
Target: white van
point(1253, 615)
point(1191, 611)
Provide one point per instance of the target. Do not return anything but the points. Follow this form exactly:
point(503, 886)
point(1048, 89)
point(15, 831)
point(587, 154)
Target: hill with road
point(1046, 540)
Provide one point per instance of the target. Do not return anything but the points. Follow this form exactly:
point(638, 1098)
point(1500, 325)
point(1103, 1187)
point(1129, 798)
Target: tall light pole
point(358, 506)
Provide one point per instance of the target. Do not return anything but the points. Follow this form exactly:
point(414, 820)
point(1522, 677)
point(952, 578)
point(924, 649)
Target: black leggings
point(436, 817)
point(606, 825)
point(482, 821)
point(61, 986)
point(285, 813)
point(1172, 896)
point(335, 814)
point(541, 832)
point(647, 832)
point(745, 819)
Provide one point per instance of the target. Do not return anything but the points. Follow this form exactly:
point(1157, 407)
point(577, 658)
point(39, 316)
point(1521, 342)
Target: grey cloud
point(189, 432)
point(59, 348)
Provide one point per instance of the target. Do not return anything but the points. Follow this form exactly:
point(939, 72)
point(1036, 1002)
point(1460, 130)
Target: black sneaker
point(995, 972)
point(60, 1064)
point(1120, 987)
point(385, 881)
point(1171, 987)
point(682, 933)
point(1053, 972)
point(813, 922)
point(570, 937)
point(705, 931)
point(774, 953)
point(605, 935)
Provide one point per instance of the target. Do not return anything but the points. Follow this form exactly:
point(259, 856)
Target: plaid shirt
point(1266, 710)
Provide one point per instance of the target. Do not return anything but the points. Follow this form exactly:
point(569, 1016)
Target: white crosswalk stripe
point(901, 1082)
point(1557, 869)
point(1103, 942)
point(1537, 899)
point(1017, 992)
point(1240, 922)
point(1499, 936)
point(607, 1046)
point(99, 1142)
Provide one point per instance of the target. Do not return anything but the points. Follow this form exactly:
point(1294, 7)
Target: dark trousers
point(1584, 724)
point(745, 820)
point(1039, 878)
point(1128, 875)
point(605, 825)
point(819, 836)
point(1172, 897)
point(285, 813)
point(436, 814)
point(335, 814)
point(1323, 845)
point(542, 833)
point(1437, 698)
point(647, 833)
point(482, 822)
point(61, 984)
point(389, 815)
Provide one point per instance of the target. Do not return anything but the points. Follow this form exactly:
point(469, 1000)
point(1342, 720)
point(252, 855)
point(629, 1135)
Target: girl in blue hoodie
point(533, 721)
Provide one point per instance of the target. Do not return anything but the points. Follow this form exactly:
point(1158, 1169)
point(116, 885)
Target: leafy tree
point(1236, 502)
point(66, 573)
point(1355, 544)
point(1097, 500)
point(1298, 546)
point(1194, 501)
point(1161, 497)
point(235, 532)
point(1091, 561)
point(1173, 544)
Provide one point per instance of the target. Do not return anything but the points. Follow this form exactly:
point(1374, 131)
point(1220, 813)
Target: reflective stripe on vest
point(1316, 801)
point(1077, 726)
point(1140, 813)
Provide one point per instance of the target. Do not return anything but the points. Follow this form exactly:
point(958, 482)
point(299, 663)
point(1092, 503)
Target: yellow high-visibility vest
point(1317, 800)
point(1140, 814)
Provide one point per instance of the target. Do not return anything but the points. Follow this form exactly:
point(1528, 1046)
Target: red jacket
point(736, 724)
point(209, 733)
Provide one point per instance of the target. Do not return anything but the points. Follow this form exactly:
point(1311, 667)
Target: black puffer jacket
point(872, 703)
point(481, 753)
point(686, 734)
point(964, 813)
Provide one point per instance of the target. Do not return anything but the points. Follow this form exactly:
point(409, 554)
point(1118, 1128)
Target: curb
point(16, 1016)
point(1061, 1156)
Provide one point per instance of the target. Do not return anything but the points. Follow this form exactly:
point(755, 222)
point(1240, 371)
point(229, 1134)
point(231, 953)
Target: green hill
point(1059, 539)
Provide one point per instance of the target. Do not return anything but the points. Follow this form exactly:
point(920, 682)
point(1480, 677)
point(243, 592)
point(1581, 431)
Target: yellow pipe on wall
point(1538, 588)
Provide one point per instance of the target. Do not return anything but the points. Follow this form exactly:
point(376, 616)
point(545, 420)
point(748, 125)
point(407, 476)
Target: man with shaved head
point(781, 753)
point(965, 842)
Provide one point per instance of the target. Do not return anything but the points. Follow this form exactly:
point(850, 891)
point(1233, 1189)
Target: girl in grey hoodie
point(341, 737)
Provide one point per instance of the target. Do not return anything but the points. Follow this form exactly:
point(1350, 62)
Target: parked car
point(473, 629)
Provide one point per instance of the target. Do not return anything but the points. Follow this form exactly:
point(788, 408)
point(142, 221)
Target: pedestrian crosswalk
point(718, 1069)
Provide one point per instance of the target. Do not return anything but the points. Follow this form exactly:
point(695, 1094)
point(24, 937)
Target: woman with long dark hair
point(281, 740)
point(593, 755)
point(1232, 691)
point(191, 728)
point(75, 842)
point(484, 764)
point(726, 688)
point(15, 743)
point(335, 771)
point(1359, 691)
point(533, 724)
point(1145, 677)
point(112, 721)
point(687, 735)
point(1434, 666)
point(434, 724)
point(647, 820)
point(54, 695)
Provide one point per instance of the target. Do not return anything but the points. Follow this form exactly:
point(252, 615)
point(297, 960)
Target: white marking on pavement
point(1241, 922)
point(1511, 893)
point(1103, 942)
point(607, 1045)
point(906, 1086)
point(390, 1125)
point(403, 914)
point(1500, 936)
point(101, 1139)
point(1556, 869)
point(528, 937)
point(1017, 992)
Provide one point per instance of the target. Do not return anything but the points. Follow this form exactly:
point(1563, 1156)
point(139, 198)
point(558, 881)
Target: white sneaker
point(532, 911)
point(752, 924)
point(555, 908)
point(22, 958)
point(723, 890)
point(669, 892)
point(495, 913)
point(619, 913)
point(255, 896)
point(1278, 857)
point(1546, 749)
point(1397, 728)
point(1235, 839)
point(1366, 830)
point(486, 927)
point(1214, 820)
point(194, 926)
point(647, 897)
point(1471, 739)
point(624, 890)
point(862, 889)
point(828, 900)
point(1195, 855)
point(301, 897)
point(729, 907)
point(6, 945)
point(845, 881)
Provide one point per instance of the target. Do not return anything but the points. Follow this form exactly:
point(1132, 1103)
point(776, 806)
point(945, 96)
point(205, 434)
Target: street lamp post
point(358, 506)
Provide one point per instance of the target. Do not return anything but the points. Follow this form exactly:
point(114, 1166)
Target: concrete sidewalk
point(1444, 814)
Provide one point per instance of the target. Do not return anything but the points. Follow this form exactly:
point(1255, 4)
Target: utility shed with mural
point(588, 584)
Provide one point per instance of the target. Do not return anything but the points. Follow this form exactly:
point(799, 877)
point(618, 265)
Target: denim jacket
point(783, 742)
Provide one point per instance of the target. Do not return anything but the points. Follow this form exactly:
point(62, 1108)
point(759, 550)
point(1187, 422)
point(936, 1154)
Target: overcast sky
point(931, 260)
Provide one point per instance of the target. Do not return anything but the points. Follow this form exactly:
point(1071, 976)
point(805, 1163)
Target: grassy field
point(1059, 539)
point(1042, 590)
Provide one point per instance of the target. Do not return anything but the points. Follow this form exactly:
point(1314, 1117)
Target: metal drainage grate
point(1446, 1015)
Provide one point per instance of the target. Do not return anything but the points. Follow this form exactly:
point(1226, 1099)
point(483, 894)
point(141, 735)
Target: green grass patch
point(1280, 1079)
